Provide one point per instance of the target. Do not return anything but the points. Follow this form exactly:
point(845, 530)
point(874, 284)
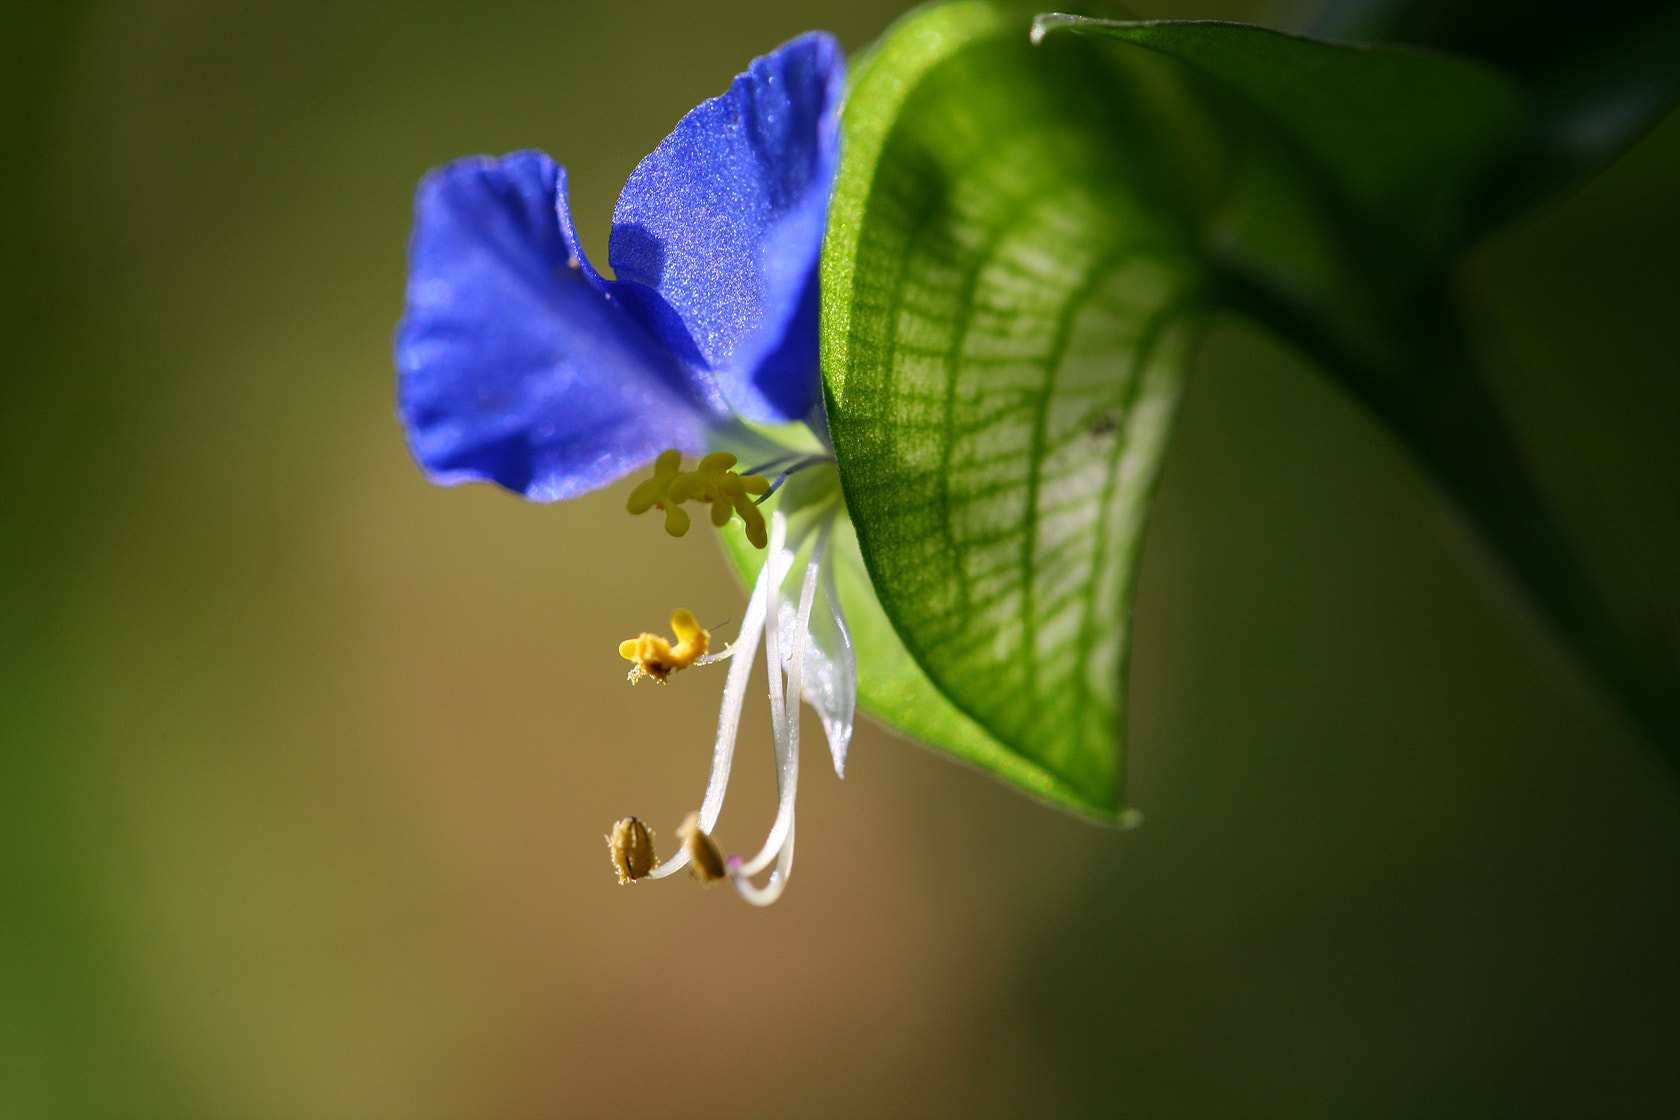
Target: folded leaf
point(1405, 138)
point(1009, 286)
point(1597, 76)
point(1364, 173)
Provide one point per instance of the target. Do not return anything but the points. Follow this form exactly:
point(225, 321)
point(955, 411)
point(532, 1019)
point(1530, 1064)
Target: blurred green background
point(306, 764)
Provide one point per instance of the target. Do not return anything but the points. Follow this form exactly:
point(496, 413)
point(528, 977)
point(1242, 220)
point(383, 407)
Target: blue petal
point(514, 364)
point(716, 236)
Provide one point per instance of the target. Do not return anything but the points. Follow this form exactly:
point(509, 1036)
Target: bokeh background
point(306, 764)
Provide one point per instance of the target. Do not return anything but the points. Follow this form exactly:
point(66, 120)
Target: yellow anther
point(705, 861)
point(712, 482)
point(652, 492)
point(752, 519)
point(721, 509)
point(631, 846)
point(676, 520)
point(656, 657)
point(715, 464)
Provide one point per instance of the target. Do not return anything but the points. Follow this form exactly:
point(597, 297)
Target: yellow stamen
point(657, 657)
point(631, 845)
point(676, 520)
point(712, 482)
point(652, 492)
point(705, 861)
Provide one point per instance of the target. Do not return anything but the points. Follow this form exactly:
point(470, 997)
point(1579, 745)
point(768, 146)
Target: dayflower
point(519, 364)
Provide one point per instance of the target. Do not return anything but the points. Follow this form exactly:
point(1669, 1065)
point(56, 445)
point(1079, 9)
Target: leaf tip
point(1046, 22)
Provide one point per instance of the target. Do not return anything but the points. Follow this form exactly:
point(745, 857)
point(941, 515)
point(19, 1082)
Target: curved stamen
point(771, 890)
point(735, 691)
point(773, 657)
point(778, 845)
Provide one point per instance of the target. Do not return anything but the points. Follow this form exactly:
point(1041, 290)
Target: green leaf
point(1346, 178)
point(1009, 291)
point(1408, 149)
point(1020, 245)
point(893, 688)
point(1406, 138)
point(1598, 76)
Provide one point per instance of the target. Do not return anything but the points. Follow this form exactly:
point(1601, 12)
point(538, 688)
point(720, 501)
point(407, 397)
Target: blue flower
point(519, 364)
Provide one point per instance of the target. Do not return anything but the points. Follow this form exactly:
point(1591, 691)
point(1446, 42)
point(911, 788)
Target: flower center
point(712, 482)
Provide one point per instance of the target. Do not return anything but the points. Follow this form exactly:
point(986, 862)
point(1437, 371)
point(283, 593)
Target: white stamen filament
point(735, 689)
point(778, 846)
point(773, 660)
point(786, 686)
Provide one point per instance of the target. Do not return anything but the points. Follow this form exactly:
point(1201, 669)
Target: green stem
point(1428, 389)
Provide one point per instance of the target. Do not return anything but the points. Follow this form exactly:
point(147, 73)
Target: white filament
point(735, 690)
point(839, 706)
point(771, 890)
point(778, 846)
point(773, 655)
